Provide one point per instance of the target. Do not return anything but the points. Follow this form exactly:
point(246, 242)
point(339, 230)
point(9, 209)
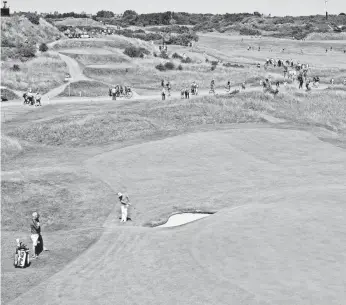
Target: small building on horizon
point(5, 11)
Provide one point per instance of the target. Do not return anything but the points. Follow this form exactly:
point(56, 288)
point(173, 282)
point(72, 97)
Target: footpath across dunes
point(274, 239)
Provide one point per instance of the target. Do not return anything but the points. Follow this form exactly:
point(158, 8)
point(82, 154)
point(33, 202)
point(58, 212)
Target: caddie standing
point(125, 203)
point(35, 233)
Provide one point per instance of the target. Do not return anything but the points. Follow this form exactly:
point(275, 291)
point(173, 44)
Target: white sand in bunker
point(276, 237)
point(181, 219)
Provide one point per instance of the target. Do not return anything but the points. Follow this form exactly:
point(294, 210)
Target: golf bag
point(21, 258)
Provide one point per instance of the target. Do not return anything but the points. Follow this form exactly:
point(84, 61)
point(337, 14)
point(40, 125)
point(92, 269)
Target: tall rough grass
point(86, 88)
point(16, 30)
point(145, 77)
point(101, 125)
point(114, 41)
point(42, 73)
point(10, 147)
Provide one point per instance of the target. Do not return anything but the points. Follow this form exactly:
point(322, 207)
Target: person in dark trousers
point(36, 237)
point(162, 83)
point(168, 86)
point(114, 93)
point(301, 81)
point(163, 93)
point(187, 93)
point(35, 233)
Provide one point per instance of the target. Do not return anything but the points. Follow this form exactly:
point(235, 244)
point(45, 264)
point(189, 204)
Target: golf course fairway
point(277, 235)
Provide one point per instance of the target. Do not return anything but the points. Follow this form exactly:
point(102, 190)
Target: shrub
point(169, 65)
point(160, 67)
point(187, 60)
point(33, 18)
point(16, 68)
point(176, 55)
point(43, 47)
point(136, 52)
point(26, 51)
point(214, 63)
point(7, 42)
point(155, 55)
point(249, 32)
point(213, 68)
point(180, 67)
point(229, 65)
point(164, 55)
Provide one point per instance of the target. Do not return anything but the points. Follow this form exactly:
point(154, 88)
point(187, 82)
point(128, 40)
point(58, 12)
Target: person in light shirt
point(125, 203)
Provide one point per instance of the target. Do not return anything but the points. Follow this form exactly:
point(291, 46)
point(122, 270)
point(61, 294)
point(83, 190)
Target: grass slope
point(113, 42)
point(41, 73)
point(267, 186)
point(8, 94)
point(86, 88)
point(17, 30)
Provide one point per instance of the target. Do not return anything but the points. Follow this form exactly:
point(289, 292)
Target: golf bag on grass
point(22, 258)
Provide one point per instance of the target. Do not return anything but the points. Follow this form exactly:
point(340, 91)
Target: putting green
point(277, 236)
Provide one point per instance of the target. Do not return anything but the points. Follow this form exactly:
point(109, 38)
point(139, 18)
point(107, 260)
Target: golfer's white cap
point(34, 214)
point(17, 240)
point(120, 194)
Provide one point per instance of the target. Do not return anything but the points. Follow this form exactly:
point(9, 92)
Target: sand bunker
point(180, 219)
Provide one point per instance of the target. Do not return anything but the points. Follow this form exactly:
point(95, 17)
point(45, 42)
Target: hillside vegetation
point(244, 24)
point(41, 73)
point(99, 125)
point(18, 32)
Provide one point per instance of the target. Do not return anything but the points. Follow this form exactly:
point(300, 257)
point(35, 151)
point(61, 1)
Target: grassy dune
point(86, 88)
point(103, 125)
point(52, 193)
point(42, 73)
point(146, 77)
point(95, 59)
point(16, 30)
point(113, 42)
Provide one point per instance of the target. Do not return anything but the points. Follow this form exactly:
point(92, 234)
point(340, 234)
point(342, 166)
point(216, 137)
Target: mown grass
point(86, 88)
point(41, 74)
point(64, 247)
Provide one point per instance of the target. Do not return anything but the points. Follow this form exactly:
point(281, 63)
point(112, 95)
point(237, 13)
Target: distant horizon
point(275, 8)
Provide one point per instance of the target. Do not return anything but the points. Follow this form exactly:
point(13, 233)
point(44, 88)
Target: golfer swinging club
point(125, 202)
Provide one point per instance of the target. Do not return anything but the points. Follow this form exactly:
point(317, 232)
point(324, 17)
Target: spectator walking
point(187, 93)
point(163, 93)
point(38, 99)
point(114, 93)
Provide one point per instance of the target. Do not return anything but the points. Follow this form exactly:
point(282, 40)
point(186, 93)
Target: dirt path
point(75, 70)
